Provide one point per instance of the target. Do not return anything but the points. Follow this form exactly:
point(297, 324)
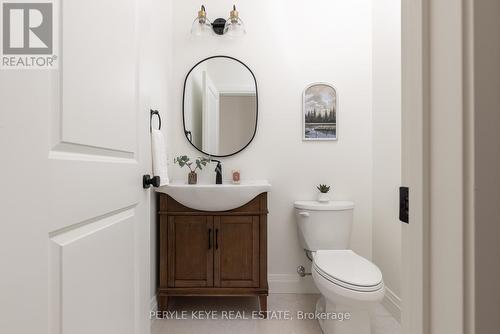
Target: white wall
point(290, 44)
point(230, 76)
point(387, 145)
point(237, 122)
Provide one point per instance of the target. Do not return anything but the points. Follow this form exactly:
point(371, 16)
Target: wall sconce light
point(233, 26)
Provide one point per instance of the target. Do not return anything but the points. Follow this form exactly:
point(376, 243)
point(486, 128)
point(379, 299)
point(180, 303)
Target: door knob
point(148, 181)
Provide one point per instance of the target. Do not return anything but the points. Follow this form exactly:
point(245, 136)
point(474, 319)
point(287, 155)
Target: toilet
point(350, 285)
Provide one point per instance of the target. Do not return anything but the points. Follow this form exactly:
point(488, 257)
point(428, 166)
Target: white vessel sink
point(215, 197)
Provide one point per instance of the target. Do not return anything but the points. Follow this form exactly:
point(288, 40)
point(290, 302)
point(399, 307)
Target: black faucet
point(218, 172)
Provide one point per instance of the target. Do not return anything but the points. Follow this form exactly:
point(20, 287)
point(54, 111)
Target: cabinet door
point(236, 251)
point(190, 251)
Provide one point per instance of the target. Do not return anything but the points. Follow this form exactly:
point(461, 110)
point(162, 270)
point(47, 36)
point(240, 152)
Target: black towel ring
point(154, 112)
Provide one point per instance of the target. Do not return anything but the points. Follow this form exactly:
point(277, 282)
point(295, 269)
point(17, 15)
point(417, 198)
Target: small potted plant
point(323, 193)
point(199, 163)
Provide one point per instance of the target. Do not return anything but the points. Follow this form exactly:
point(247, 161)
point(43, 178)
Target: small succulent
point(184, 160)
point(323, 188)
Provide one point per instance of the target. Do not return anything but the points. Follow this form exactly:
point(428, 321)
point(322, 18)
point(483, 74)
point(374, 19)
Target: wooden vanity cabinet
point(189, 250)
point(204, 253)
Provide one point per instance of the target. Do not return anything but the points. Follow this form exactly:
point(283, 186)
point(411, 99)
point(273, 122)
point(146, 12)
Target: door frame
point(209, 117)
point(436, 44)
point(415, 170)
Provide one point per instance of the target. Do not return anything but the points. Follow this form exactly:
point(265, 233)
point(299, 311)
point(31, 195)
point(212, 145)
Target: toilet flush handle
point(304, 214)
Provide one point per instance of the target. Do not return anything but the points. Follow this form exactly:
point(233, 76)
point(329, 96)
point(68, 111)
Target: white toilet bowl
point(350, 284)
point(350, 287)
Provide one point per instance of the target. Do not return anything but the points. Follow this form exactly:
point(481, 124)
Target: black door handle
point(217, 238)
point(209, 238)
point(148, 181)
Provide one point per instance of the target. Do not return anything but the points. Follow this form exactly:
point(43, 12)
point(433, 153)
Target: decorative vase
point(192, 178)
point(323, 197)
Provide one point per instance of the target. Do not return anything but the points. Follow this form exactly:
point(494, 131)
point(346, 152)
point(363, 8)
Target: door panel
point(237, 251)
point(95, 271)
point(190, 251)
point(77, 224)
point(99, 99)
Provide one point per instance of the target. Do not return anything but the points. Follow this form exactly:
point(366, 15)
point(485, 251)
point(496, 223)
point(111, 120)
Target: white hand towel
point(159, 151)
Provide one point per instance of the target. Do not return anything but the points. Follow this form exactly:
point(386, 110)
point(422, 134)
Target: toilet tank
point(324, 225)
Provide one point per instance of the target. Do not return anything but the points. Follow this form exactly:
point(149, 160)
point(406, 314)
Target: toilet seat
point(348, 270)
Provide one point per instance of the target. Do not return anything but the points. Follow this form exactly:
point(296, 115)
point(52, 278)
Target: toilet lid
point(327, 206)
point(348, 269)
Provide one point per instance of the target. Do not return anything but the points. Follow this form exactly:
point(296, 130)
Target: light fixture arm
point(220, 24)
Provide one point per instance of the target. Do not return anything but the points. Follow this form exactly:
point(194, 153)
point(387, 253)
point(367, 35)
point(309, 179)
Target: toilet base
point(358, 322)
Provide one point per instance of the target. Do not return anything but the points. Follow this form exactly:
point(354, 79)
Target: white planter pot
point(322, 197)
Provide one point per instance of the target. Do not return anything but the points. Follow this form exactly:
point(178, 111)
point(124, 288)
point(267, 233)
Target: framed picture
point(319, 112)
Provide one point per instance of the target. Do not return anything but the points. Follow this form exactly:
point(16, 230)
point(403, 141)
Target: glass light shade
point(234, 26)
point(201, 27)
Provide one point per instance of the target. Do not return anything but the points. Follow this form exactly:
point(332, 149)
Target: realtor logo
point(28, 35)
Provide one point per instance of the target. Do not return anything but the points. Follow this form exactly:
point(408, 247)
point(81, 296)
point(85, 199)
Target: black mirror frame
point(256, 106)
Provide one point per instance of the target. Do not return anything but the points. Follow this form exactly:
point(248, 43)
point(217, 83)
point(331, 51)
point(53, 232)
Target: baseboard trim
point(291, 283)
point(392, 303)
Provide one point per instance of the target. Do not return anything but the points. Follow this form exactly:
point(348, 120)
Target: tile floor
point(382, 321)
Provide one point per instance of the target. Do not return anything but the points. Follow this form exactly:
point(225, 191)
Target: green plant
point(184, 160)
point(323, 188)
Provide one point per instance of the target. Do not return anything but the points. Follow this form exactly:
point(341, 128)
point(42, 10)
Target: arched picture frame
point(319, 112)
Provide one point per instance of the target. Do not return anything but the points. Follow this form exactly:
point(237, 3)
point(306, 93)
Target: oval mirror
point(220, 106)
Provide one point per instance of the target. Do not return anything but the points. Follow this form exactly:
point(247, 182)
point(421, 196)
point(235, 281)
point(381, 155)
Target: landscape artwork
point(320, 112)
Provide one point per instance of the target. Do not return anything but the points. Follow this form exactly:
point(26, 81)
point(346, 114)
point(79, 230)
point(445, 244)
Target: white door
point(74, 252)
point(415, 174)
point(210, 116)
